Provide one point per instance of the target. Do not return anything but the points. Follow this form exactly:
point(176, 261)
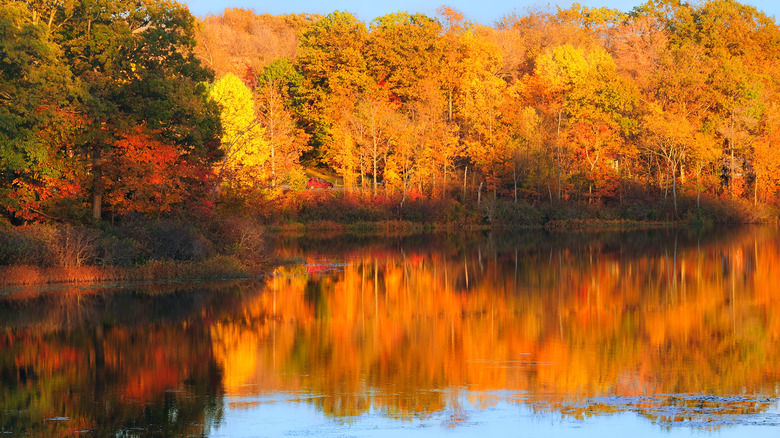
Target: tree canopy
point(588, 105)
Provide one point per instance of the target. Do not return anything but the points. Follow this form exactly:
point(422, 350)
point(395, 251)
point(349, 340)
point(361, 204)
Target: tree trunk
point(666, 182)
point(362, 173)
point(465, 175)
point(433, 181)
point(444, 180)
point(733, 163)
point(698, 189)
point(97, 183)
point(52, 14)
point(273, 165)
point(272, 135)
point(755, 192)
point(674, 187)
point(558, 148)
point(449, 102)
point(374, 158)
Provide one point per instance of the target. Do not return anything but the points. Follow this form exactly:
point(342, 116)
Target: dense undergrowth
point(356, 210)
point(135, 249)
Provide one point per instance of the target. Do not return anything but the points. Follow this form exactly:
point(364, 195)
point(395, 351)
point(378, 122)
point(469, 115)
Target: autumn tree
point(450, 72)
point(374, 126)
point(402, 51)
point(138, 68)
point(740, 44)
point(524, 148)
point(668, 136)
point(480, 96)
point(332, 61)
point(539, 31)
point(766, 159)
point(638, 46)
point(242, 42)
point(244, 150)
point(703, 153)
point(39, 118)
point(546, 90)
point(567, 103)
point(600, 107)
point(283, 137)
point(145, 175)
point(432, 139)
point(420, 62)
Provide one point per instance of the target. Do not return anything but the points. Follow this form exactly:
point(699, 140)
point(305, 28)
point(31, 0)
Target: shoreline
point(220, 268)
point(225, 267)
point(374, 227)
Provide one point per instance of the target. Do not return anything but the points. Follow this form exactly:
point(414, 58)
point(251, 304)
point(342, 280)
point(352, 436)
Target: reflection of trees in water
point(629, 243)
point(137, 362)
point(405, 328)
point(412, 327)
point(161, 380)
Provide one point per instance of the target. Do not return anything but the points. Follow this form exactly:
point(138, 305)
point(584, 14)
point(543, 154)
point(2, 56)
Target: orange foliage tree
point(146, 175)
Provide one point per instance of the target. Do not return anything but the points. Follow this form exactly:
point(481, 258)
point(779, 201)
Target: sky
point(482, 11)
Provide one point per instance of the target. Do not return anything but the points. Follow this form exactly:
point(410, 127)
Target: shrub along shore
point(138, 249)
point(224, 246)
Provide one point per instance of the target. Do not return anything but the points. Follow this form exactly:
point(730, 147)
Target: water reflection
point(408, 327)
point(128, 362)
point(677, 327)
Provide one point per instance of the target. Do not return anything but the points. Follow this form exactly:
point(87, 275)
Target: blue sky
point(482, 11)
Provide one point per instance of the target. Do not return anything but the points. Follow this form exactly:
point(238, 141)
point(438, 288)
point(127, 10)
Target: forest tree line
point(118, 107)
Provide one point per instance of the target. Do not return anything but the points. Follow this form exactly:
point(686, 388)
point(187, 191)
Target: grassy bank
point(215, 268)
point(136, 250)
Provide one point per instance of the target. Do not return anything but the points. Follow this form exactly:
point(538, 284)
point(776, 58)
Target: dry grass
point(218, 267)
point(136, 250)
point(26, 275)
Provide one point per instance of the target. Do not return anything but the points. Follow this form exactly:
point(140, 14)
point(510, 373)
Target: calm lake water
point(653, 333)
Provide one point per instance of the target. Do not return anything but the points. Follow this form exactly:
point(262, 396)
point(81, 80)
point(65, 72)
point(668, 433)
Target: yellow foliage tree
point(242, 134)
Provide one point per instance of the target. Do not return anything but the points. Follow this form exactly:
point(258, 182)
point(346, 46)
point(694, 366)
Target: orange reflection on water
point(675, 326)
point(410, 331)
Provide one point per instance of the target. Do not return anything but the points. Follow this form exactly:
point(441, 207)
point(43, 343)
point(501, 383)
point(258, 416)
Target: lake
point(656, 333)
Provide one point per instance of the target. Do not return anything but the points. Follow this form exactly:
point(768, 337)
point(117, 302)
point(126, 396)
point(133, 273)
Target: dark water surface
point(653, 333)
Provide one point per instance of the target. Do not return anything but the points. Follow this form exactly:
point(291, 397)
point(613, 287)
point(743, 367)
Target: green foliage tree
point(39, 119)
point(138, 67)
point(332, 62)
